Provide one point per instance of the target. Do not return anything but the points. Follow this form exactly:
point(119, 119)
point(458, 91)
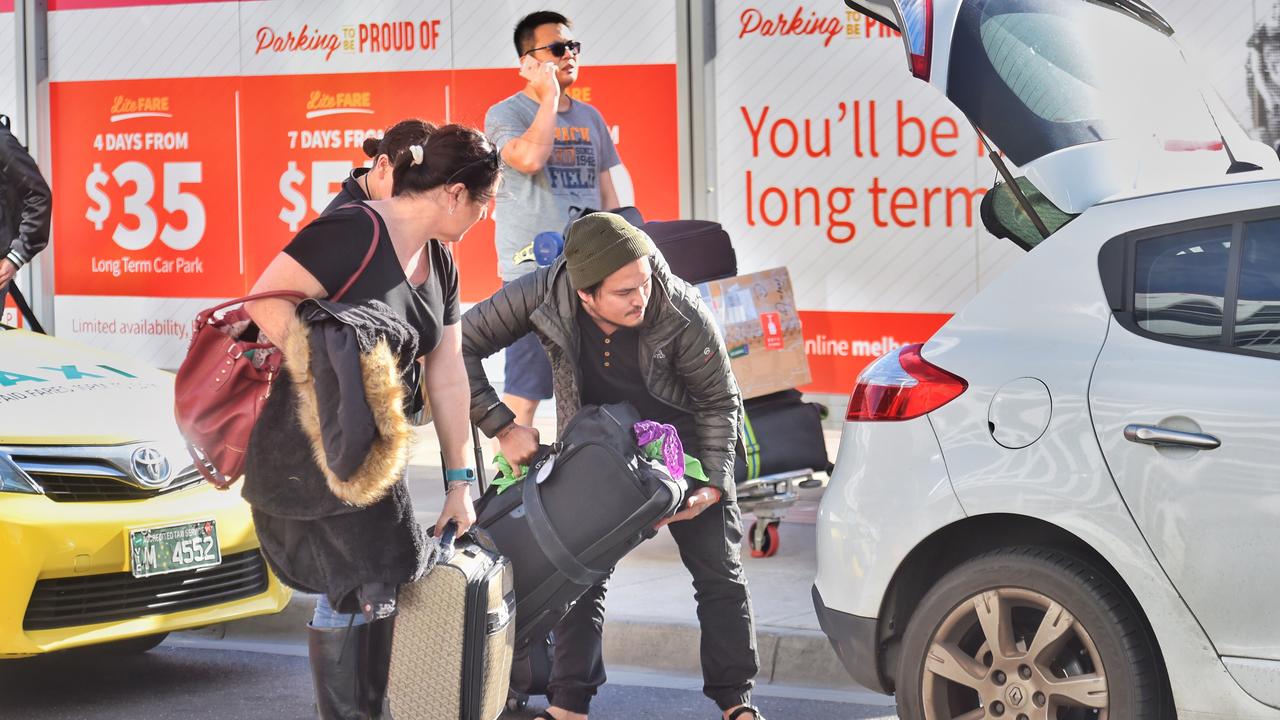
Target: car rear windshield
point(1042, 75)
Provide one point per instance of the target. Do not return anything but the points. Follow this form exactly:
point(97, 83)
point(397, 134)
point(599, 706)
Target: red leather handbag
point(224, 380)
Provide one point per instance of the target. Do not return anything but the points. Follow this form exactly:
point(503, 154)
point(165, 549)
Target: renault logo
point(150, 466)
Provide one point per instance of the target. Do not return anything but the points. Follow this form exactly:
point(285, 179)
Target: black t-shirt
point(611, 373)
point(332, 246)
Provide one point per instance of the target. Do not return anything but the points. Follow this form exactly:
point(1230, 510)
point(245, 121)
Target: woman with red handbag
point(353, 540)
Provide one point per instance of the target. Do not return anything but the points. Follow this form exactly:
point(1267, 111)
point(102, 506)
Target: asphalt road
point(184, 682)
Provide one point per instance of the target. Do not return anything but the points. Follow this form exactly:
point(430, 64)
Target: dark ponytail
point(451, 154)
point(398, 138)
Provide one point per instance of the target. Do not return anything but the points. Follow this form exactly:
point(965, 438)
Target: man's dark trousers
point(710, 546)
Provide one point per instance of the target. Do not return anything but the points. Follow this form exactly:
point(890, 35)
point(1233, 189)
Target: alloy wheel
point(1013, 653)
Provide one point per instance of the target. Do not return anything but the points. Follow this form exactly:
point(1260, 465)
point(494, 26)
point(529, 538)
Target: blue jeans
point(326, 617)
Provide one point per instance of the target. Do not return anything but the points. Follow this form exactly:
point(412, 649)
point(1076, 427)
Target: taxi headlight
point(13, 479)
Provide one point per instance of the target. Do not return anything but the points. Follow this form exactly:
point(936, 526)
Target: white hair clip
point(416, 152)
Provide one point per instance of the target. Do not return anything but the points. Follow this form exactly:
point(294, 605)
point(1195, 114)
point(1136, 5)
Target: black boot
point(376, 659)
point(335, 669)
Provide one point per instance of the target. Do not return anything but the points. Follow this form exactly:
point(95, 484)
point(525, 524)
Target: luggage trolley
point(783, 446)
point(768, 498)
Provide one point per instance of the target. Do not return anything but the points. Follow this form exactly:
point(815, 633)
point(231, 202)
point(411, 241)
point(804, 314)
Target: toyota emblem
point(150, 466)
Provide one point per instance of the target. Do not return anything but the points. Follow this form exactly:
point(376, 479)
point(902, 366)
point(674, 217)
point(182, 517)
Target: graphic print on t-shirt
point(572, 165)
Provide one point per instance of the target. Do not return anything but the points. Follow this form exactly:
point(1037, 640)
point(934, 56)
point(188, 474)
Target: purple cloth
point(648, 431)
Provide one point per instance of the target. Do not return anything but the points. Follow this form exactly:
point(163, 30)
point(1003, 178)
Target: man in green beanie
point(618, 326)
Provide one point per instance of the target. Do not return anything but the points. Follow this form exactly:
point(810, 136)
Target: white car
point(1064, 505)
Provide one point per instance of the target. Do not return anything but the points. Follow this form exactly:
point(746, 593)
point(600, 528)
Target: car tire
point(1069, 644)
point(132, 646)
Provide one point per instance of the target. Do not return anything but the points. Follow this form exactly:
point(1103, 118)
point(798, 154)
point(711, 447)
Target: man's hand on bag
point(700, 500)
point(458, 507)
point(542, 77)
point(519, 443)
point(7, 271)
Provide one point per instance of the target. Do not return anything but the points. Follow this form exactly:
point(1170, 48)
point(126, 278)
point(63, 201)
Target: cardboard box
point(757, 315)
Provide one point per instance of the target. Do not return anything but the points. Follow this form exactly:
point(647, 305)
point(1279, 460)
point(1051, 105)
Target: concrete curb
point(788, 656)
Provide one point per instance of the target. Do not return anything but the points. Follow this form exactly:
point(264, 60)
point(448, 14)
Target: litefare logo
point(131, 108)
point(323, 104)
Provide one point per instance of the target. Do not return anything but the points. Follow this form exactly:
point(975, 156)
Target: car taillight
point(902, 385)
point(917, 32)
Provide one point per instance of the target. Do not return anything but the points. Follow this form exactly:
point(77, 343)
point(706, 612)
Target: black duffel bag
point(586, 502)
point(780, 433)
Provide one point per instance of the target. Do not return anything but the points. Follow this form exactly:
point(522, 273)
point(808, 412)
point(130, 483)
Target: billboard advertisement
point(192, 140)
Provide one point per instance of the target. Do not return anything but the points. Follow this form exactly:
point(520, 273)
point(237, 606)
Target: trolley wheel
point(764, 540)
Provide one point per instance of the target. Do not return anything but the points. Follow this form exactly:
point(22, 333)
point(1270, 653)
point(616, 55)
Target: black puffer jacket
point(682, 356)
point(25, 201)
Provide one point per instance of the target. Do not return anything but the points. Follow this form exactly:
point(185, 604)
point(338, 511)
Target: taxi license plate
point(160, 550)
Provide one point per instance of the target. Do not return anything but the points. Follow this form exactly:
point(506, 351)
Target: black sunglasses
point(558, 48)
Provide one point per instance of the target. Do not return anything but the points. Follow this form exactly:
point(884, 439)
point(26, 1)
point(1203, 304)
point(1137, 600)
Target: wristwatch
point(459, 475)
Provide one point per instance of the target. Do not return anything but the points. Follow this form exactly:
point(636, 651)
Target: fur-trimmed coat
point(326, 462)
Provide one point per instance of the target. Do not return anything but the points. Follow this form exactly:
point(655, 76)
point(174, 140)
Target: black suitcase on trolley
point(587, 501)
point(780, 433)
point(696, 250)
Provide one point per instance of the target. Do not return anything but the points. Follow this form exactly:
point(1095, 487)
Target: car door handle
point(1156, 435)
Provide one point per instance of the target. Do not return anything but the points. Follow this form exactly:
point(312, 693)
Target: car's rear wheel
point(1028, 634)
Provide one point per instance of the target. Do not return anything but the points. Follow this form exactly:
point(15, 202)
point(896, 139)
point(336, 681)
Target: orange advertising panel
point(302, 135)
point(841, 344)
point(638, 103)
point(146, 188)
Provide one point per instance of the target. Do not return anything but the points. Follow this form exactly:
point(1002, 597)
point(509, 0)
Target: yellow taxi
point(108, 534)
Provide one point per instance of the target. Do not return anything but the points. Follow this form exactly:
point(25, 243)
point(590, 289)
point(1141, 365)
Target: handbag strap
point(368, 256)
point(203, 317)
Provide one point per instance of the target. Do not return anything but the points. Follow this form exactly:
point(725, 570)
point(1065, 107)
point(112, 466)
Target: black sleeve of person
point(31, 192)
point(331, 247)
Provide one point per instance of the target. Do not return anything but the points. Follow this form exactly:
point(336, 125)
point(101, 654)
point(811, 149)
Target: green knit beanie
point(599, 244)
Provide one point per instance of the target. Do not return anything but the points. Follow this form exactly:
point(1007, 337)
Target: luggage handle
point(449, 537)
point(549, 542)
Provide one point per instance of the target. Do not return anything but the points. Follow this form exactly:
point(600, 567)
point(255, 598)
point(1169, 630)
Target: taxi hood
point(56, 392)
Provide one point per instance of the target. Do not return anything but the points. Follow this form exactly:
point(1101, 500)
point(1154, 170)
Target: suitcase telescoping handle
point(481, 476)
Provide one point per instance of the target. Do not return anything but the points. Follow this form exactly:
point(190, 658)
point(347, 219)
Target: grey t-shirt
point(530, 204)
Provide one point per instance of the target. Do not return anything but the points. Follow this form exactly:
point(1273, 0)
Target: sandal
point(755, 713)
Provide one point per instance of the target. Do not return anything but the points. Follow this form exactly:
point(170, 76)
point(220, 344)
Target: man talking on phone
point(557, 153)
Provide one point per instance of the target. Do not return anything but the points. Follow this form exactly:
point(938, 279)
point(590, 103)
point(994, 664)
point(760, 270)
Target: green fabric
point(506, 478)
point(653, 451)
point(693, 469)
